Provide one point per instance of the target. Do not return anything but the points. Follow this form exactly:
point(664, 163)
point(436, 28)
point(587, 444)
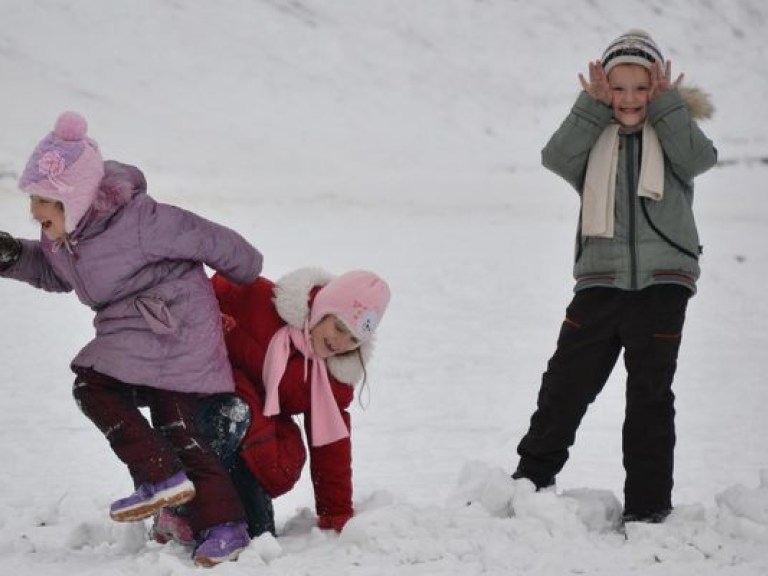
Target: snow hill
point(401, 136)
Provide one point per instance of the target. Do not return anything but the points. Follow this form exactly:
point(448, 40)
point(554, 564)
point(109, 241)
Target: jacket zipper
point(632, 193)
point(78, 281)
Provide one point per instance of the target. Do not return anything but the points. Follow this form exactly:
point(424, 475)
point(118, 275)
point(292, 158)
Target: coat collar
point(120, 184)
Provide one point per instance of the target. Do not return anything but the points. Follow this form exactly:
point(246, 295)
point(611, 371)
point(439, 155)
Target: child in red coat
point(297, 347)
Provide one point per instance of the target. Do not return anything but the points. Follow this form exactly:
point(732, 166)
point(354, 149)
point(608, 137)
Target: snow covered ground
point(401, 136)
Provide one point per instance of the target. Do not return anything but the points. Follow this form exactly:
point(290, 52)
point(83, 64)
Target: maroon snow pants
point(599, 323)
point(157, 451)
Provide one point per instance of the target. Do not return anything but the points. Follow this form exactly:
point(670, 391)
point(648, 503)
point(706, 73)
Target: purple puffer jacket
point(139, 265)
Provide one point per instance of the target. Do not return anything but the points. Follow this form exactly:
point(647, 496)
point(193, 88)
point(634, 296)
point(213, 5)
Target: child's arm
point(331, 470)
point(687, 148)
point(23, 260)
point(567, 152)
point(168, 232)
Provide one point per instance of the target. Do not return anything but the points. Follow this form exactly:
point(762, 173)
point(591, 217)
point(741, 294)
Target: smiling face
point(50, 215)
point(630, 85)
point(330, 337)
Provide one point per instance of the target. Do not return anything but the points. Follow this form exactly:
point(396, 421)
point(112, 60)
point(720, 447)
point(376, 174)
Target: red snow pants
point(156, 451)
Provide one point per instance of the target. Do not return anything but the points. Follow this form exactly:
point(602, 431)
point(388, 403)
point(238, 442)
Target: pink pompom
point(71, 126)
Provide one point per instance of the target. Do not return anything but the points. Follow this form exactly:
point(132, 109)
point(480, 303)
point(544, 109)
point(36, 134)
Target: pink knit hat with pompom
point(357, 298)
point(66, 166)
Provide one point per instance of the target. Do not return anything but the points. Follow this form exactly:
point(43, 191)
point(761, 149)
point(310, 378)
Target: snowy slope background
point(401, 136)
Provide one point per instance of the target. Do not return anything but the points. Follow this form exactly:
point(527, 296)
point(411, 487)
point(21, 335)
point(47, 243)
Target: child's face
point(330, 337)
point(630, 85)
point(50, 215)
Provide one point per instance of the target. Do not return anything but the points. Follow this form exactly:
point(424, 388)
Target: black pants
point(224, 420)
point(599, 322)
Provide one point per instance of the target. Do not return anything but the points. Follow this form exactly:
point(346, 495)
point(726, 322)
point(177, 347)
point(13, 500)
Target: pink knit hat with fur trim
point(357, 298)
point(66, 166)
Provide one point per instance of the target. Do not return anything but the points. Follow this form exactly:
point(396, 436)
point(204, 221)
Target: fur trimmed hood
point(293, 293)
point(121, 182)
point(699, 103)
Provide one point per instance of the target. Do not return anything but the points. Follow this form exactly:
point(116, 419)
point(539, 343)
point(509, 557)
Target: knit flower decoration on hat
point(51, 164)
point(66, 166)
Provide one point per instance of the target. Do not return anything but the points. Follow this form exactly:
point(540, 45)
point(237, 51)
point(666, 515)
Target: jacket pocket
point(156, 313)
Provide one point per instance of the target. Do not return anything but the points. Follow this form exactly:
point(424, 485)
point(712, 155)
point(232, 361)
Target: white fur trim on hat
point(292, 293)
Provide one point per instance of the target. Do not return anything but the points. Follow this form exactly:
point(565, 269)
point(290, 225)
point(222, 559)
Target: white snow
point(401, 136)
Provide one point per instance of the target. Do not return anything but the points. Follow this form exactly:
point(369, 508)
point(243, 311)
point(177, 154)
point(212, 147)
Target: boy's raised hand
point(598, 86)
point(661, 80)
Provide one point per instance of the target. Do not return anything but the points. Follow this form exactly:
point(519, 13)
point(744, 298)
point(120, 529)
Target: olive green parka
point(654, 242)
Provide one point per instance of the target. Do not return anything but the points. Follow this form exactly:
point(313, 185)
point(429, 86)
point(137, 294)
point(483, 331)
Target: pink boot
point(169, 527)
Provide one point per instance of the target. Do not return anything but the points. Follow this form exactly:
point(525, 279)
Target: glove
point(10, 250)
point(333, 521)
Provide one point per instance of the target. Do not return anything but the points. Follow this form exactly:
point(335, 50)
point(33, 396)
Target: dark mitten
point(10, 250)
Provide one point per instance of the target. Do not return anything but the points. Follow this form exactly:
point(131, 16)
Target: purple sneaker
point(170, 527)
point(221, 543)
point(149, 498)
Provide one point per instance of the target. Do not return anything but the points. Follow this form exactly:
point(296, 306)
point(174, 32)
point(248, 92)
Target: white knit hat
point(633, 47)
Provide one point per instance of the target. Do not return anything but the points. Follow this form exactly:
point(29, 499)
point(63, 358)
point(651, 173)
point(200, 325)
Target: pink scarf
point(327, 422)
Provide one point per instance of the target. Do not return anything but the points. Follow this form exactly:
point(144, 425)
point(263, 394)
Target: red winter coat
point(273, 447)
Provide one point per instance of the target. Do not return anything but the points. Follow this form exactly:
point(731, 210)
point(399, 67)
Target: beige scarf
point(599, 198)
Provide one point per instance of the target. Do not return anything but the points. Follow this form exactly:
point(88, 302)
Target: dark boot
point(539, 482)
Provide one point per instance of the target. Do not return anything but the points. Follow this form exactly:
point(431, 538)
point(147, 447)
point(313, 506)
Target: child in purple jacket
point(159, 342)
